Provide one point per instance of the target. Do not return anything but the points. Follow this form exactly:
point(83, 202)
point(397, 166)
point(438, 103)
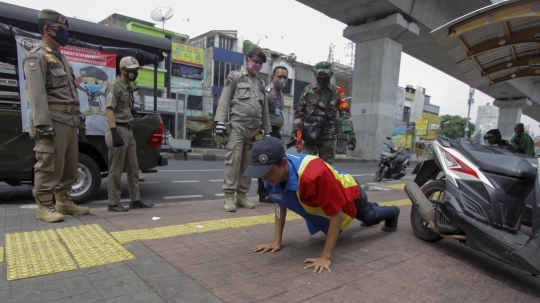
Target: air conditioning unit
point(534, 61)
point(176, 72)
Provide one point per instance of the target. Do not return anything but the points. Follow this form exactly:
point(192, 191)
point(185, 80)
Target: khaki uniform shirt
point(274, 98)
point(50, 80)
point(244, 95)
point(119, 97)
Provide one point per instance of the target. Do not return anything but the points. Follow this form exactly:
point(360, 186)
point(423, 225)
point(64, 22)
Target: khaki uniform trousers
point(57, 161)
point(120, 158)
point(237, 159)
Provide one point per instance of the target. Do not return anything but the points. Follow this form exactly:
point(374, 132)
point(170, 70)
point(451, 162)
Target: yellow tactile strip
point(91, 245)
point(36, 253)
point(1, 254)
point(395, 203)
point(395, 186)
point(197, 227)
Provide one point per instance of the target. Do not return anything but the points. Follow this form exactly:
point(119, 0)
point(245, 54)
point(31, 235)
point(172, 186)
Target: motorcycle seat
point(503, 164)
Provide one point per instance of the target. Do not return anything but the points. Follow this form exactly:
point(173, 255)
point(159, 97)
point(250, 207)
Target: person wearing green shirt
point(521, 141)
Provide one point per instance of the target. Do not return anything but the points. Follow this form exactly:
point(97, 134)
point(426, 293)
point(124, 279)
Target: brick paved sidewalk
point(219, 266)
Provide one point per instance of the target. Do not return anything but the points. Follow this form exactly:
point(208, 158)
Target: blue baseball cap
point(264, 154)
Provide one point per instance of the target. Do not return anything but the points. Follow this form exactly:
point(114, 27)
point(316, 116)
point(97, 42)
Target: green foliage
point(291, 59)
point(192, 136)
point(179, 135)
point(247, 45)
point(218, 140)
point(454, 127)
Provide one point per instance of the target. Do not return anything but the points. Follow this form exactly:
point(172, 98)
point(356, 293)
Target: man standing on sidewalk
point(274, 98)
point(313, 101)
point(325, 197)
point(521, 142)
point(119, 137)
point(54, 104)
point(244, 97)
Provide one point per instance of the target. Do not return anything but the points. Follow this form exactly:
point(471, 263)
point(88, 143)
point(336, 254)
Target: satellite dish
point(162, 14)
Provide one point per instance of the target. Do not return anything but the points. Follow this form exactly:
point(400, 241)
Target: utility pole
point(331, 53)
point(470, 102)
point(350, 46)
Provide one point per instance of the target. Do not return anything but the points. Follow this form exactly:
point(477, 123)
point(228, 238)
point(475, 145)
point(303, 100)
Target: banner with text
point(187, 54)
point(93, 70)
point(421, 127)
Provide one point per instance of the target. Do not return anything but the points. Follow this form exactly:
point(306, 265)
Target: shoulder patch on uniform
point(110, 96)
point(228, 81)
point(32, 64)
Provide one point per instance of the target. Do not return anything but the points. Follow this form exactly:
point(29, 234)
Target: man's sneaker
point(139, 204)
point(228, 203)
point(265, 199)
point(242, 201)
point(391, 225)
point(117, 208)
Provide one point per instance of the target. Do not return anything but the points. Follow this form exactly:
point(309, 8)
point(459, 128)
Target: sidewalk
point(219, 266)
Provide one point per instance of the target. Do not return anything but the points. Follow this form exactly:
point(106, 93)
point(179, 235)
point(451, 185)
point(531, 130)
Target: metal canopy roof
point(494, 45)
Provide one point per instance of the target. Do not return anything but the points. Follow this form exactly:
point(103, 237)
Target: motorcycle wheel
point(434, 190)
point(379, 175)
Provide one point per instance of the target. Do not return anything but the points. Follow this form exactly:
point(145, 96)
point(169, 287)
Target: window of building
point(209, 42)
point(194, 102)
point(287, 88)
point(298, 90)
point(406, 114)
point(182, 70)
point(221, 71)
point(225, 43)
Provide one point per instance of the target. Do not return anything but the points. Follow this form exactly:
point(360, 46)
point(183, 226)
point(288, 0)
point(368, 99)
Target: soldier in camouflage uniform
point(55, 119)
point(313, 102)
point(244, 97)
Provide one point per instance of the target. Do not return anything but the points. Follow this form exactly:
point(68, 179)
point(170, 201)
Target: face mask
point(253, 67)
point(323, 81)
point(62, 36)
point(93, 88)
point(131, 75)
point(280, 83)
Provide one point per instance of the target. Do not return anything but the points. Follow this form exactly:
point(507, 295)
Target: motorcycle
point(392, 163)
point(480, 201)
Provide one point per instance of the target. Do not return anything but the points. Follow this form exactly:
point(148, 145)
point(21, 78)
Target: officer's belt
point(126, 125)
point(70, 109)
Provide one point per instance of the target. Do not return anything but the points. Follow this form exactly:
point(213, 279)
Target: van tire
point(88, 180)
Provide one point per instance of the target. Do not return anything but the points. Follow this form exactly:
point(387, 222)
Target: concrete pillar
point(375, 81)
point(510, 114)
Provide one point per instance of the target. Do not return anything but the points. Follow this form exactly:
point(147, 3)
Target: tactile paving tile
point(1, 254)
point(395, 186)
point(91, 245)
point(195, 227)
point(36, 253)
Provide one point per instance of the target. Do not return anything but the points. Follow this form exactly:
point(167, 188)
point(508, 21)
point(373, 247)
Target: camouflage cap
point(256, 50)
point(323, 67)
point(50, 15)
point(129, 63)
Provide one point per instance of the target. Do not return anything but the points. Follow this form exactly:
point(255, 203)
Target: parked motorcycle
point(392, 163)
point(480, 201)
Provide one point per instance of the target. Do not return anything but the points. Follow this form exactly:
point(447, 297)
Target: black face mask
point(131, 74)
point(323, 81)
point(62, 36)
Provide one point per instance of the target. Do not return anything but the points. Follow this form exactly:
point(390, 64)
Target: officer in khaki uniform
point(244, 96)
point(119, 137)
point(55, 119)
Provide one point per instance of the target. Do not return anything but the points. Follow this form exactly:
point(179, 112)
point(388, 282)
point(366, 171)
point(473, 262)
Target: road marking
point(107, 201)
point(183, 197)
point(395, 186)
point(220, 180)
point(29, 206)
point(220, 195)
point(144, 182)
point(395, 203)
point(361, 175)
point(189, 170)
point(185, 181)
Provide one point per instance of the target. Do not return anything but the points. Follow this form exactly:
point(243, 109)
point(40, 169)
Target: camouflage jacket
point(313, 102)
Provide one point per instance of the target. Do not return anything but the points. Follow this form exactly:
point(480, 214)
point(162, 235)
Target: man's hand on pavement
point(272, 247)
point(318, 264)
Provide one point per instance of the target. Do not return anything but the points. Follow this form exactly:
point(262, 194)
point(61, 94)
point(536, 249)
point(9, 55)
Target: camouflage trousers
point(326, 150)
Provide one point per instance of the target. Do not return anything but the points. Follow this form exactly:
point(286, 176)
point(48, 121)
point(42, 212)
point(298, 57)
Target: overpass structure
point(483, 44)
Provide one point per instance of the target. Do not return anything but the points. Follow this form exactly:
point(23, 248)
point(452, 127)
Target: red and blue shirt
point(316, 190)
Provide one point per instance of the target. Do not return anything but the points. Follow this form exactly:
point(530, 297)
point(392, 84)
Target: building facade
point(486, 118)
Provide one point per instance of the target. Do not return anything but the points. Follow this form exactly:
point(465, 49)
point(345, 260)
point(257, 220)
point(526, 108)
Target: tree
point(454, 127)
point(247, 45)
point(291, 59)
